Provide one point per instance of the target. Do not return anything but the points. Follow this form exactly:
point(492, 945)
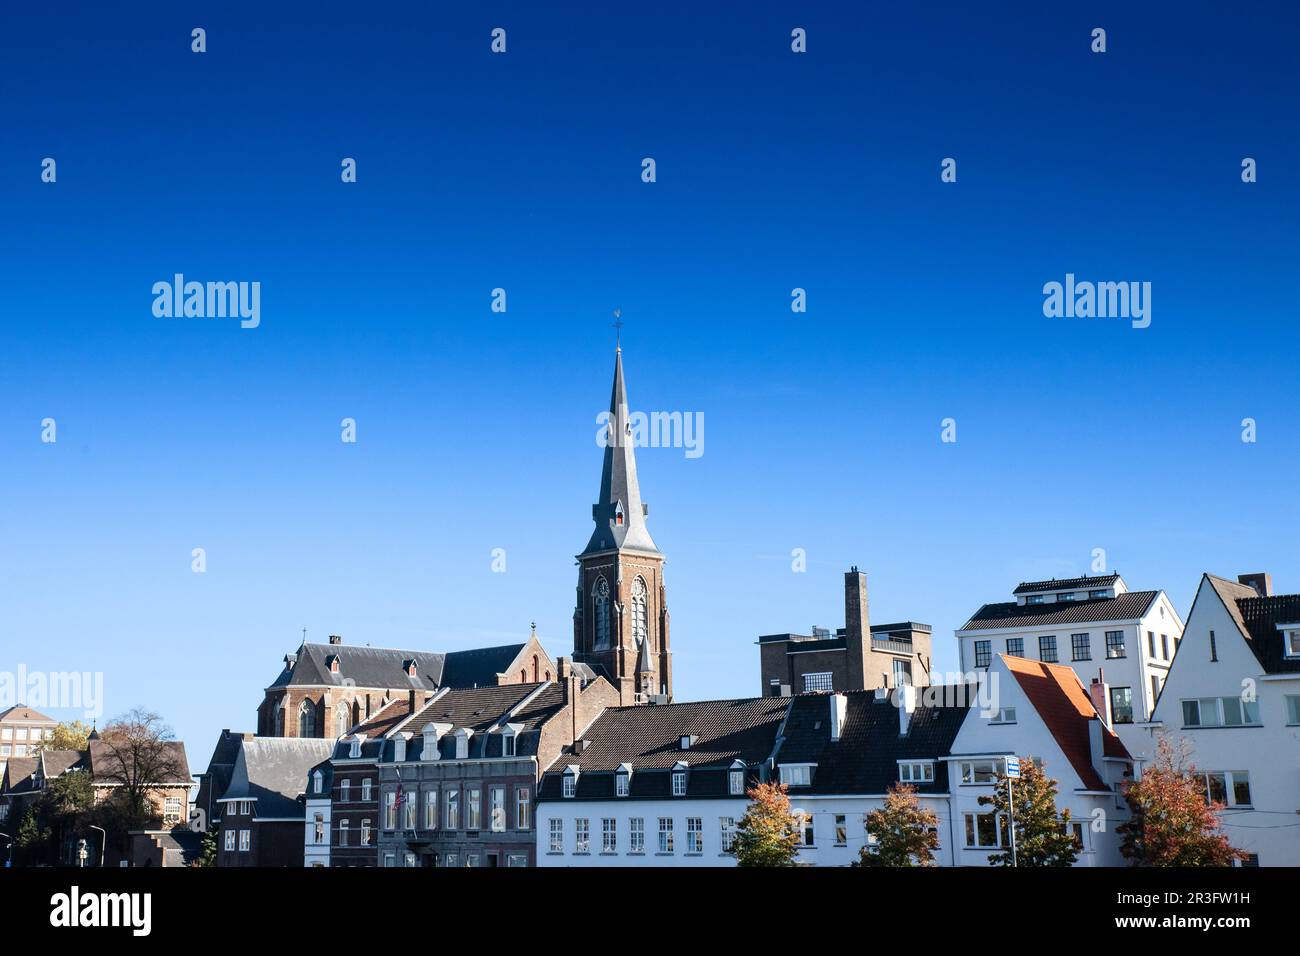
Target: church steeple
point(620, 620)
point(618, 512)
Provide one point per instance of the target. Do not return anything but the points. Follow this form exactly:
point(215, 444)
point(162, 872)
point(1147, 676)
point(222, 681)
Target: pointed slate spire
point(644, 660)
point(618, 512)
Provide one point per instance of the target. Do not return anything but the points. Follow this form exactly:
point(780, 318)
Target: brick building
point(21, 732)
point(263, 808)
point(858, 656)
point(324, 690)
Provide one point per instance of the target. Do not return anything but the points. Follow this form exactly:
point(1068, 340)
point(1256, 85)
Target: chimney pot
point(335, 639)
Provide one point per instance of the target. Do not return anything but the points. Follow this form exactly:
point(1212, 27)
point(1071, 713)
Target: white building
point(660, 785)
point(1094, 625)
point(1234, 695)
point(316, 841)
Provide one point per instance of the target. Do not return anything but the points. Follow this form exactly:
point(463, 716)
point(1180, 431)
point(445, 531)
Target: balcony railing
point(890, 646)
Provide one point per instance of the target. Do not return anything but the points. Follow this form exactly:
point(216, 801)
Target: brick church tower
point(620, 623)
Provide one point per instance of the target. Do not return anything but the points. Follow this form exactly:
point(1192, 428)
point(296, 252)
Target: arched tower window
point(307, 719)
point(279, 720)
point(342, 720)
point(638, 610)
point(600, 598)
point(537, 668)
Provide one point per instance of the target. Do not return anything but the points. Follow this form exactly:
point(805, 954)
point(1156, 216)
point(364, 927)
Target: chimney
point(1261, 581)
point(839, 710)
point(562, 668)
point(410, 703)
point(857, 628)
point(905, 697)
point(335, 639)
point(1099, 691)
point(1096, 748)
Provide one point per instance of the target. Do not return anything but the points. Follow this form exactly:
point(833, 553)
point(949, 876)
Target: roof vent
point(335, 639)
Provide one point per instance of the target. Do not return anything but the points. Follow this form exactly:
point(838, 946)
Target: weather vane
point(618, 328)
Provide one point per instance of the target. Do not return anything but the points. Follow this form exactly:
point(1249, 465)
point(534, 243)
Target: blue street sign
point(1013, 768)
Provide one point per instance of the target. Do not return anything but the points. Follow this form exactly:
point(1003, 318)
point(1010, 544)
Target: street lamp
point(102, 841)
point(11, 847)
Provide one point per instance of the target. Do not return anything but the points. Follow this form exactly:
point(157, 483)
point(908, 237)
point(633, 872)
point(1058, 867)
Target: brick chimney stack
point(857, 628)
point(1261, 581)
point(336, 639)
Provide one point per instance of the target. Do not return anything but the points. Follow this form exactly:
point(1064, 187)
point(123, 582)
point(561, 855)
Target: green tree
point(1043, 836)
point(208, 853)
point(767, 834)
point(904, 832)
point(1173, 822)
point(34, 843)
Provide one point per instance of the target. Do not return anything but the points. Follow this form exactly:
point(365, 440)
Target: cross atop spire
point(618, 330)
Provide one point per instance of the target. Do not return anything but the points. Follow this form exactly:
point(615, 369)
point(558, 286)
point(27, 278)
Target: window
point(796, 775)
point(345, 791)
point(1292, 709)
point(804, 822)
point(600, 605)
point(679, 783)
point(983, 653)
point(727, 829)
point(622, 783)
point(665, 834)
point(318, 829)
point(508, 744)
point(451, 809)
point(342, 720)
point(1081, 646)
point(365, 833)
point(307, 719)
point(1121, 705)
point(1155, 690)
point(581, 835)
point(736, 782)
point(902, 673)
point(694, 834)
point(1078, 831)
point(517, 859)
point(1220, 712)
point(1214, 649)
point(608, 835)
point(1164, 646)
point(390, 811)
point(172, 810)
point(390, 860)
point(473, 809)
point(408, 860)
point(1151, 643)
point(1034, 599)
point(638, 611)
point(916, 771)
point(1098, 593)
point(980, 771)
point(1230, 787)
point(1005, 715)
point(1291, 643)
point(570, 785)
point(1016, 646)
point(841, 830)
point(986, 830)
point(1047, 649)
point(343, 833)
point(245, 840)
point(523, 808)
point(497, 805)
point(431, 809)
point(1068, 596)
point(557, 835)
point(230, 841)
point(365, 789)
point(452, 860)
point(1115, 645)
point(636, 835)
point(818, 682)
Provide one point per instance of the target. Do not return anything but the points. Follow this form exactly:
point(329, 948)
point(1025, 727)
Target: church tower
point(620, 623)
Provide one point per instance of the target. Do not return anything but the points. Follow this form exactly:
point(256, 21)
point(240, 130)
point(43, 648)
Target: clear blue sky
point(522, 171)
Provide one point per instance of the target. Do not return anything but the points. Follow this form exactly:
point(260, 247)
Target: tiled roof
point(18, 775)
point(649, 738)
point(383, 720)
point(1124, 607)
point(478, 709)
point(24, 713)
point(1258, 618)
point(865, 758)
point(1067, 584)
point(1055, 692)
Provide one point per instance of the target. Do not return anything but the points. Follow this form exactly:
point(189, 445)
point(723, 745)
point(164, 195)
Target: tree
point(53, 819)
point(1043, 836)
point(1173, 822)
point(905, 833)
point(139, 755)
point(69, 735)
point(767, 834)
point(208, 853)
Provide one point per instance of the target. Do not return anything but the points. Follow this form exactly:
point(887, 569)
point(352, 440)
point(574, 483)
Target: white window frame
point(967, 771)
point(666, 835)
point(1220, 712)
point(582, 835)
point(796, 774)
point(916, 771)
point(736, 782)
point(636, 835)
point(497, 809)
point(609, 835)
point(523, 808)
point(679, 783)
point(556, 827)
point(818, 682)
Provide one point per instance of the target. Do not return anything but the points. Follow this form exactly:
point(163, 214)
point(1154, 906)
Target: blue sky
point(522, 171)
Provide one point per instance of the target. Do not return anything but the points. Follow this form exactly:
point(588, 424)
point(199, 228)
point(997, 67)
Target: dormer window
point(1291, 640)
point(509, 741)
point(916, 771)
point(318, 781)
point(1034, 599)
point(334, 663)
point(569, 783)
point(409, 667)
point(618, 514)
point(623, 780)
point(399, 748)
point(354, 749)
point(679, 780)
point(736, 779)
point(687, 740)
point(462, 743)
point(796, 775)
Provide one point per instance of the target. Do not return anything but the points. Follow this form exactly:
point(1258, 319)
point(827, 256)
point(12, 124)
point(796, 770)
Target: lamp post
point(102, 840)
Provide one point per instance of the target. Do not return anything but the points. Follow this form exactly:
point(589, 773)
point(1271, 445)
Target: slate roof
point(55, 762)
point(18, 775)
point(1056, 693)
point(1124, 607)
point(1258, 617)
point(865, 758)
point(362, 666)
point(273, 771)
point(1068, 584)
point(479, 709)
point(649, 738)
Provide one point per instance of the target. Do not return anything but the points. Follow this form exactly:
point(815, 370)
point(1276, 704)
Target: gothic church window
point(638, 610)
point(600, 598)
point(307, 719)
